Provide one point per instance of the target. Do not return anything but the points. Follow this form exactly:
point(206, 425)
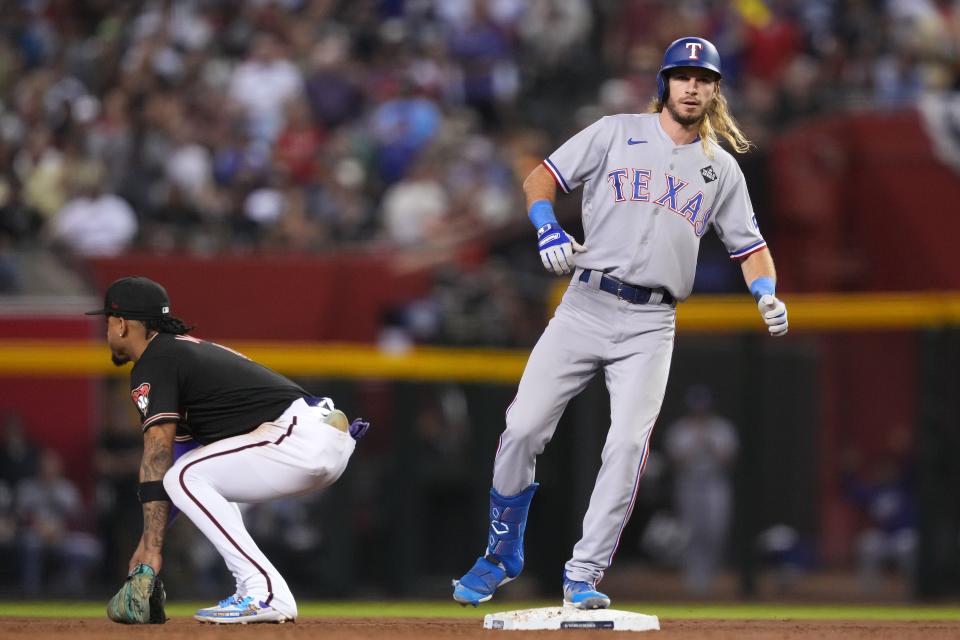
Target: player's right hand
point(557, 249)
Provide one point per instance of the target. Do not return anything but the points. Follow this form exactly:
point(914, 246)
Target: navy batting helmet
point(687, 52)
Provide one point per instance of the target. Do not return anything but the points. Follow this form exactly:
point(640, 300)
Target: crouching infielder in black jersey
point(219, 429)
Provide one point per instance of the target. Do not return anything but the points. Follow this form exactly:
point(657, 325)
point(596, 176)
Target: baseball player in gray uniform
point(652, 185)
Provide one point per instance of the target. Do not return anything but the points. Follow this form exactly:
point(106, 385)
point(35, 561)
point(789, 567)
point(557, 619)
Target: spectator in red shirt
point(295, 152)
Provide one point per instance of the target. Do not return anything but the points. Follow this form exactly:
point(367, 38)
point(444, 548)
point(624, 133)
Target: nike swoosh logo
point(632, 141)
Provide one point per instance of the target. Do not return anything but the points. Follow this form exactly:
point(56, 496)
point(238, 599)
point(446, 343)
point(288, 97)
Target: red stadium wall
point(274, 297)
point(57, 413)
point(863, 203)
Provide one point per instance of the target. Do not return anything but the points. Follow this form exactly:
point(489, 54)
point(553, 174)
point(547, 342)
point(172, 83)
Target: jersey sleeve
point(578, 157)
point(734, 219)
point(154, 389)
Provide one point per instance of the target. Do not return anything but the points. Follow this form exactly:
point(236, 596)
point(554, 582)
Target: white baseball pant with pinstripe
point(294, 454)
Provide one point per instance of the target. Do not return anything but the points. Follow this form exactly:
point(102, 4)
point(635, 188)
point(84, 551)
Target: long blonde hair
point(716, 121)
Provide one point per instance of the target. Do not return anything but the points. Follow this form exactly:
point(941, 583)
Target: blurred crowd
point(47, 542)
point(322, 125)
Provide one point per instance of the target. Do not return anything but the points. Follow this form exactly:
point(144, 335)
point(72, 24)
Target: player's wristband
point(152, 491)
point(541, 213)
point(762, 286)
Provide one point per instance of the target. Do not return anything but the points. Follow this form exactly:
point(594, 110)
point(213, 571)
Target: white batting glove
point(774, 313)
point(557, 249)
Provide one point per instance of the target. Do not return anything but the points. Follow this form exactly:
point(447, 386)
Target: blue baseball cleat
point(479, 584)
point(503, 560)
point(583, 595)
point(241, 610)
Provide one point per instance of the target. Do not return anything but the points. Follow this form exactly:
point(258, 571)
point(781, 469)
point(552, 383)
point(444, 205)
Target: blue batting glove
point(358, 428)
point(557, 249)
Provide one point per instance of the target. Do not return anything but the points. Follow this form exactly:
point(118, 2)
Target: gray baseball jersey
point(647, 201)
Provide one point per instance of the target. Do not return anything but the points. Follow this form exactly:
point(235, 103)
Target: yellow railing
point(826, 312)
point(71, 358)
point(706, 314)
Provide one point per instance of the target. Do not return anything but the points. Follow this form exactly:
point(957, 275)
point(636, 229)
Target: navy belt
point(631, 293)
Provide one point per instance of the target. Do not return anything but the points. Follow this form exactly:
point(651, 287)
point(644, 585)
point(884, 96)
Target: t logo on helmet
point(694, 48)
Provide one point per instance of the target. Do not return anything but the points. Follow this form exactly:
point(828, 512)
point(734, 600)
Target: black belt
point(630, 293)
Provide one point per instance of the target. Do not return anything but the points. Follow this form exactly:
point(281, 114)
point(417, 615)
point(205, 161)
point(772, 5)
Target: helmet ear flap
point(663, 86)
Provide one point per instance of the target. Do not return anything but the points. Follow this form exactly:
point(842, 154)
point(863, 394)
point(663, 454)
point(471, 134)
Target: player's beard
point(118, 359)
point(686, 121)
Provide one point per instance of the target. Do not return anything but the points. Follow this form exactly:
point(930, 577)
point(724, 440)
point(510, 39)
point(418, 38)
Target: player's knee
point(521, 434)
point(628, 446)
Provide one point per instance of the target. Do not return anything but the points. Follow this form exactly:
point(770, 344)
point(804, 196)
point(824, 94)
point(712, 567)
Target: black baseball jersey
point(211, 391)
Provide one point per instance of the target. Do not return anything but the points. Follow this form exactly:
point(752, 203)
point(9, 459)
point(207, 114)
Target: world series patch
point(709, 175)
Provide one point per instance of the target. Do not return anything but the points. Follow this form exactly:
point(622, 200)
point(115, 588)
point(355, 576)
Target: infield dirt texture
point(444, 628)
point(428, 621)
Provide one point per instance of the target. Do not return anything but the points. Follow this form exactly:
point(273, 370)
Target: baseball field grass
point(440, 609)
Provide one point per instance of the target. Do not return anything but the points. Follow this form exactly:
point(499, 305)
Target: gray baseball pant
point(632, 344)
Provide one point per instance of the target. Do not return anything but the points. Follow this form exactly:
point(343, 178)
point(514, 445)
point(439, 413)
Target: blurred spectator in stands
point(483, 46)
point(92, 222)
point(263, 208)
point(19, 456)
point(883, 491)
point(555, 33)
point(51, 512)
point(772, 38)
point(415, 209)
point(702, 447)
point(444, 482)
point(339, 200)
point(110, 137)
point(263, 84)
point(801, 93)
point(39, 165)
point(8, 535)
point(788, 554)
point(12, 226)
point(116, 462)
point(480, 184)
point(188, 166)
point(332, 88)
point(403, 124)
point(898, 80)
point(298, 144)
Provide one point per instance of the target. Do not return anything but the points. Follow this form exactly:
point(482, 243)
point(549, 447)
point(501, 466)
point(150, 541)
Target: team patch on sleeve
point(141, 398)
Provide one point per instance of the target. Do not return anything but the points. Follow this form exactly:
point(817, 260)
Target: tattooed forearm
point(154, 524)
point(157, 459)
point(157, 456)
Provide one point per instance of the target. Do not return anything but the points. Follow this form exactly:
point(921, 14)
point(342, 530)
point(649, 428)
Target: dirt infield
point(439, 628)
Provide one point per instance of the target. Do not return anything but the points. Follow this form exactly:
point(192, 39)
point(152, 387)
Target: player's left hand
point(557, 249)
point(358, 428)
point(153, 559)
point(774, 313)
point(141, 600)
